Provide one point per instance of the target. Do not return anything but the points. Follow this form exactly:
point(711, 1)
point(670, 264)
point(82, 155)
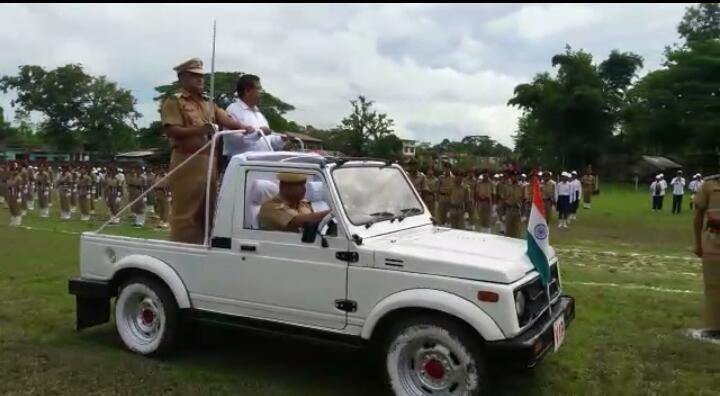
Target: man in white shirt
point(678, 187)
point(694, 186)
point(259, 137)
point(657, 188)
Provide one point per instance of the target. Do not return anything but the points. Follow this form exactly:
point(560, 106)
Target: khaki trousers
point(711, 278)
point(187, 185)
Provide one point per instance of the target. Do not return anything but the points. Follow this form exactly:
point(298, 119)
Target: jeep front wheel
point(434, 356)
point(146, 316)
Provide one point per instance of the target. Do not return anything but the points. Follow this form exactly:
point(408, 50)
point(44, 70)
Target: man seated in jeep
point(289, 211)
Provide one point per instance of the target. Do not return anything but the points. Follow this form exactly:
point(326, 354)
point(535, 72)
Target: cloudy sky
point(438, 70)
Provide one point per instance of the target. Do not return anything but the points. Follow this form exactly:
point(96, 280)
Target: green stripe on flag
point(538, 259)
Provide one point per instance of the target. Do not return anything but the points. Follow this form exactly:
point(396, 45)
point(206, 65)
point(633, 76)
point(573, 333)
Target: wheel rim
point(430, 367)
point(143, 315)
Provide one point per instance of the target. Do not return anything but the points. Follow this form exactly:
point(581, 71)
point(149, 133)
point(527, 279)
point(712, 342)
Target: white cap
point(523, 175)
point(540, 173)
point(659, 176)
point(565, 174)
point(574, 172)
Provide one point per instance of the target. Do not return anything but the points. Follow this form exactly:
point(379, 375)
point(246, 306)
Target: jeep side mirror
point(309, 232)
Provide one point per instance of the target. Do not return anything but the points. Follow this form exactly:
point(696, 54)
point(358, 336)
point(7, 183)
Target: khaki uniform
point(458, 198)
point(29, 197)
point(13, 195)
point(188, 184)
point(65, 190)
point(275, 214)
point(113, 194)
point(43, 184)
point(149, 180)
point(483, 203)
point(162, 205)
point(513, 197)
point(74, 190)
point(445, 184)
point(708, 199)
point(136, 186)
point(4, 175)
point(500, 188)
point(588, 186)
point(420, 182)
point(547, 189)
point(433, 190)
point(22, 184)
point(84, 194)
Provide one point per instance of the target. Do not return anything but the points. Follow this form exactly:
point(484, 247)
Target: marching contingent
point(80, 189)
point(500, 202)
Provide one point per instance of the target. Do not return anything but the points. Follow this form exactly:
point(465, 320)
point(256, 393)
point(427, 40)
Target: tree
point(701, 22)
point(365, 126)
point(78, 109)
point(569, 120)
point(675, 111)
point(272, 107)
point(6, 130)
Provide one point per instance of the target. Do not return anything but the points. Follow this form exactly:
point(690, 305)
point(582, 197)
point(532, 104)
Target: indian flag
point(537, 236)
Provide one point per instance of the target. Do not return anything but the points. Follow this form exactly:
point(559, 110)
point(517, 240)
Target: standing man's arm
point(173, 122)
point(227, 121)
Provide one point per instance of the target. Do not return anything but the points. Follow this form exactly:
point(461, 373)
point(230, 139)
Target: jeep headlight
point(520, 303)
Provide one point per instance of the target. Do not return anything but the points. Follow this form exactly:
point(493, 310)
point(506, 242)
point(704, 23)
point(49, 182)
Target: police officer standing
point(547, 189)
point(588, 187)
point(136, 183)
point(513, 197)
point(84, 193)
point(188, 118)
point(483, 194)
point(433, 185)
point(458, 198)
point(707, 247)
point(445, 183)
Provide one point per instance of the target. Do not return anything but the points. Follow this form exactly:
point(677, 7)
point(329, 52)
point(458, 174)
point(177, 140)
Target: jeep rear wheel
point(146, 316)
point(434, 356)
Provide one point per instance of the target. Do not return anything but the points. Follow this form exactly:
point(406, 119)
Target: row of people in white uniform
point(567, 198)
point(659, 185)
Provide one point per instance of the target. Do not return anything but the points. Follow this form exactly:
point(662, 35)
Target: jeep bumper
point(531, 346)
point(92, 301)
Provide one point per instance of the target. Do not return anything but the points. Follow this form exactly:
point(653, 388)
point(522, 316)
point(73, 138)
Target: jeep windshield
point(372, 194)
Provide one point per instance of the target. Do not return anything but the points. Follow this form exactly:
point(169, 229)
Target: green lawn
point(636, 284)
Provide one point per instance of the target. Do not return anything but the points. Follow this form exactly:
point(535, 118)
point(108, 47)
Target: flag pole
point(536, 190)
point(212, 139)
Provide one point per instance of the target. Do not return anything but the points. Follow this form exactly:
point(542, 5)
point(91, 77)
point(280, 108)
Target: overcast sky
point(438, 70)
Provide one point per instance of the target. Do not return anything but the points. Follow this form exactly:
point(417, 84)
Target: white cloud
point(438, 70)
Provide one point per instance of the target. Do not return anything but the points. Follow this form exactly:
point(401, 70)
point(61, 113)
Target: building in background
point(408, 149)
point(12, 152)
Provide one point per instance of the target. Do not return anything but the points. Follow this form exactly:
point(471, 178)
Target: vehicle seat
point(316, 194)
point(260, 192)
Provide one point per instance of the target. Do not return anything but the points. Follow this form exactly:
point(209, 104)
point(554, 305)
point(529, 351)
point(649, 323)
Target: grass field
point(636, 283)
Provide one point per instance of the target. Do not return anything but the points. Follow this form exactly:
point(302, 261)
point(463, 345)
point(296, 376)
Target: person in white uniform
point(563, 194)
point(245, 109)
point(657, 188)
point(678, 187)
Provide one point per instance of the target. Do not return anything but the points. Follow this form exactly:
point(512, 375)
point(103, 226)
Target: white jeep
point(439, 303)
